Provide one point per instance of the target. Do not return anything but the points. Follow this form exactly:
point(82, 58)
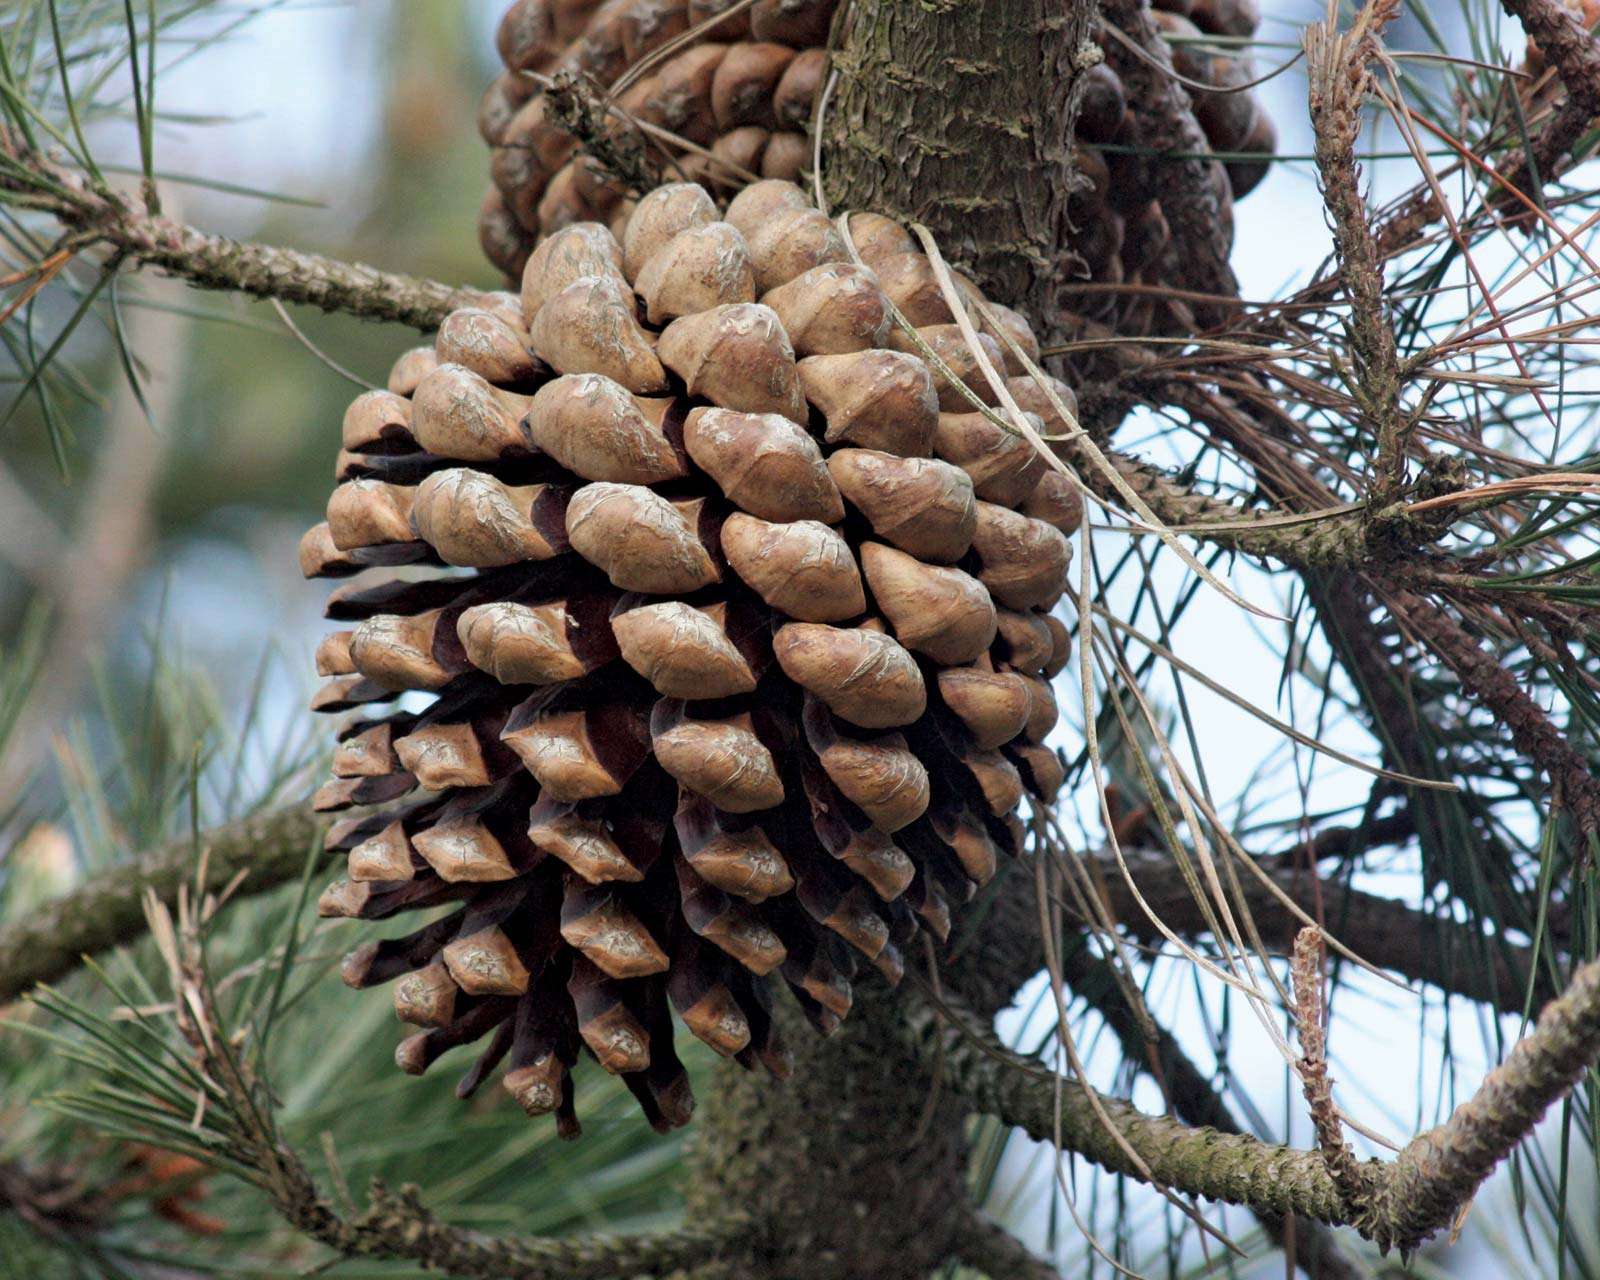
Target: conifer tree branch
point(270, 849)
point(1396, 1204)
point(1567, 45)
point(1530, 726)
point(1339, 79)
point(985, 1246)
point(92, 217)
point(395, 1224)
point(1233, 1168)
point(1154, 1050)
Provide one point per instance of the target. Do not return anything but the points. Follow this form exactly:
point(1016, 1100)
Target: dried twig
point(1306, 971)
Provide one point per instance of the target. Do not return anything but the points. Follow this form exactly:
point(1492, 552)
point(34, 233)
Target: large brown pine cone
point(728, 656)
point(745, 90)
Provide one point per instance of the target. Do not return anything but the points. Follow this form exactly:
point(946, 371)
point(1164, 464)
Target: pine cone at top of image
point(744, 92)
point(720, 628)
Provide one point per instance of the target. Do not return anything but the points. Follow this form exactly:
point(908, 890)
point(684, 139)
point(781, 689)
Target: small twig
point(1338, 79)
point(1306, 973)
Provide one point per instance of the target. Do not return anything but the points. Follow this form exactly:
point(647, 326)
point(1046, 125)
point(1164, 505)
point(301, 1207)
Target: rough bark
point(1395, 1204)
point(268, 849)
point(852, 1168)
point(110, 221)
point(959, 114)
point(956, 114)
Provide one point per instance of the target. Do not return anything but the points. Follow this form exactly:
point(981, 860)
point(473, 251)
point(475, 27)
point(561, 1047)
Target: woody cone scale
point(693, 646)
point(744, 91)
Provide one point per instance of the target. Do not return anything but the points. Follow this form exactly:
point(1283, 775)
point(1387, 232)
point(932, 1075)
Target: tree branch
point(1568, 46)
point(1153, 1049)
point(1339, 81)
point(1200, 1161)
point(1440, 1170)
point(270, 849)
point(985, 1246)
point(396, 1224)
point(1401, 1203)
point(239, 1123)
point(101, 218)
point(1497, 689)
point(1384, 932)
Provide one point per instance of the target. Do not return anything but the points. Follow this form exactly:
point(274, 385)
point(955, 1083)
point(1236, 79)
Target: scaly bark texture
point(1154, 1049)
point(1395, 1204)
point(853, 1167)
point(270, 849)
point(958, 114)
point(111, 221)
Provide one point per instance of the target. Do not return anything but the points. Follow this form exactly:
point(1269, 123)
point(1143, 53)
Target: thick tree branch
point(108, 220)
point(1400, 1203)
point(1200, 1161)
point(1153, 1049)
point(270, 849)
point(1344, 539)
point(967, 133)
point(396, 1224)
point(1440, 1170)
point(985, 1246)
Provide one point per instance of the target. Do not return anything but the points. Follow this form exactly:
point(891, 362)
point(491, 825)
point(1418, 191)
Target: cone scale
point(717, 672)
point(745, 91)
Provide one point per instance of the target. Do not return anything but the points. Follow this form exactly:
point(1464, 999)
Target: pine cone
point(745, 91)
point(738, 646)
